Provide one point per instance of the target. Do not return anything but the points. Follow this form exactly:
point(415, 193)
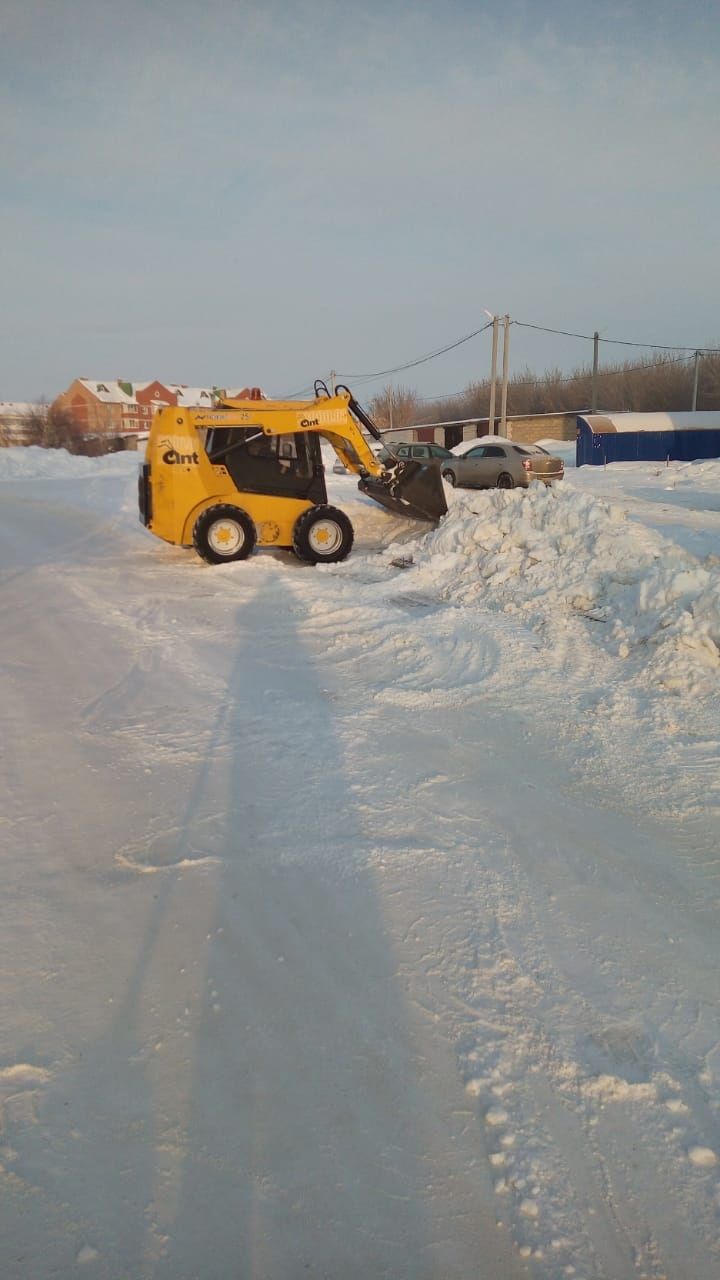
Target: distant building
point(113, 407)
point(646, 437)
point(18, 421)
point(123, 410)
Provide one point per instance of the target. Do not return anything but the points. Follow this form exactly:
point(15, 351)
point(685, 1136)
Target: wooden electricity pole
point(596, 354)
point(506, 365)
point(696, 380)
point(493, 376)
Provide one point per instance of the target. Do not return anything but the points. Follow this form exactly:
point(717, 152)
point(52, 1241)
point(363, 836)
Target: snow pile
point(31, 462)
point(544, 553)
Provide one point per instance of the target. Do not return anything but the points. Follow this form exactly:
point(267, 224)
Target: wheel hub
point(325, 536)
point(226, 537)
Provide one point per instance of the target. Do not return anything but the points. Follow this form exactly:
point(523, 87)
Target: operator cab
point(288, 466)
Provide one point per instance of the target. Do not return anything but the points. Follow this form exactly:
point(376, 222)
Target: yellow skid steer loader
point(250, 472)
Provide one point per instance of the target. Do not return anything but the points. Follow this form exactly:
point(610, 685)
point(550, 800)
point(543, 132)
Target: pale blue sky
point(228, 192)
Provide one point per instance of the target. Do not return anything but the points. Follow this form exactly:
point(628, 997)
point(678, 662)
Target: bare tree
point(395, 407)
point(53, 428)
point(61, 431)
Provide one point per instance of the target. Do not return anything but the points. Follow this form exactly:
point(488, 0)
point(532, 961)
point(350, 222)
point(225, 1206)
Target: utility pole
point(596, 354)
point(332, 382)
point(696, 379)
point(506, 363)
point(493, 375)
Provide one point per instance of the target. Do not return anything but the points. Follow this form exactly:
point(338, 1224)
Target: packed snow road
point(356, 922)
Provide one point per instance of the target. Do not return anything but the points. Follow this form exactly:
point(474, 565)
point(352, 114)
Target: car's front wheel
point(323, 535)
point(505, 481)
point(224, 533)
point(450, 478)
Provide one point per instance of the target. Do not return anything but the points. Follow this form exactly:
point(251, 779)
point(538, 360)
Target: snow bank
point(544, 552)
point(30, 462)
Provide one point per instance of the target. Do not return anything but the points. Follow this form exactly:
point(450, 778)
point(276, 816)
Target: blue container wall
point(643, 446)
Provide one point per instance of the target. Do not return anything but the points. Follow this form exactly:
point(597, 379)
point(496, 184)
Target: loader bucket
point(409, 489)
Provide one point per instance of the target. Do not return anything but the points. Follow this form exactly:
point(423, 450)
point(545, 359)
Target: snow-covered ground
point(362, 921)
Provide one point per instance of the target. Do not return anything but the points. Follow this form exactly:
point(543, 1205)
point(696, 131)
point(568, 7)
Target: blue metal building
point(646, 437)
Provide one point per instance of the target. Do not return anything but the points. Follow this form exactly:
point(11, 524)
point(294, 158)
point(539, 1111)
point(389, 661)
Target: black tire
point(505, 481)
point(323, 535)
point(450, 477)
point(224, 523)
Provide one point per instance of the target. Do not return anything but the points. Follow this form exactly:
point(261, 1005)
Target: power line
point(295, 395)
point(606, 373)
point(361, 378)
point(618, 342)
point(412, 364)
point(446, 395)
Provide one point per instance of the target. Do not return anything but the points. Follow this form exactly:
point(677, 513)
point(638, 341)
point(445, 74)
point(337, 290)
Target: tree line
point(652, 384)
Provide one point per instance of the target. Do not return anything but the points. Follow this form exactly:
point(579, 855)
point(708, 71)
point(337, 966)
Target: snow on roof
point(111, 391)
point(609, 423)
point(187, 397)
point(18, 408)
point(118, 391)
point(243, 393)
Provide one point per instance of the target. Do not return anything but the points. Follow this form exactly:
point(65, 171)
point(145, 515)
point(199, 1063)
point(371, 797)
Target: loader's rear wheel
point(224, 533)
point(323, 535)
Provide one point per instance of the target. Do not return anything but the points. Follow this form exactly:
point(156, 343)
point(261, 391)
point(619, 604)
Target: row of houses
point(113, 410)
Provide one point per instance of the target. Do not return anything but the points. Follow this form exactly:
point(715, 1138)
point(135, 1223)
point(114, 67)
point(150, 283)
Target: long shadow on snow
point(302, 1150)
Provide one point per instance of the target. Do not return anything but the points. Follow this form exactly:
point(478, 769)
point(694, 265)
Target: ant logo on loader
point(172, 457)
point(309, 422)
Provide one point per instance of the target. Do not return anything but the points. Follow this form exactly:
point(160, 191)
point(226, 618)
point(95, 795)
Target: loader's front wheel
point(323, 535)
point(224, 533)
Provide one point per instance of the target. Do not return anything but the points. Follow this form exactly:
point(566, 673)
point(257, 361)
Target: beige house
point(17, 421)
